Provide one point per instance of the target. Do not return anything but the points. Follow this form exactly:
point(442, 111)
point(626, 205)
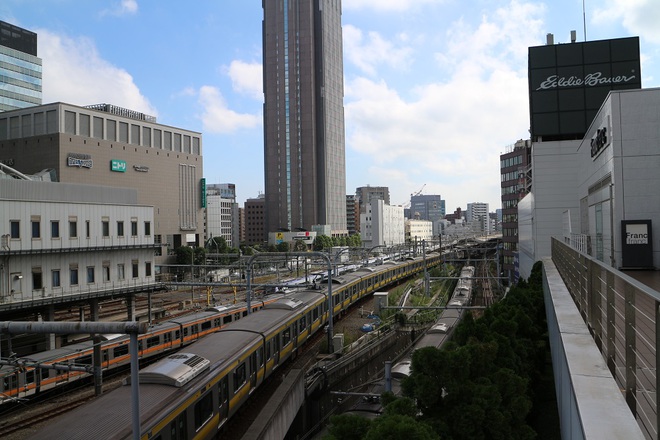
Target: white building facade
point(58, 243)
point(418, 230)
point(602, 190)
point(222, 213)
point(477, 216)
point(382, 225)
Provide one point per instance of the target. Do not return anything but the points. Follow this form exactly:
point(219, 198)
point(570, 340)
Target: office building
point(352, 214)
point(429, 207)
point(366, 194)
point(515, 182)
point(304, 157)
point(477, 216)
point(64, 242)
point(417, 231)
point(115, 147)
point(20, 70)
point(568, 84)
point(222, 213)
point(382, 225)
point(255, 225)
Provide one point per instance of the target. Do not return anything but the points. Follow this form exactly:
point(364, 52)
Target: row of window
point(90, 274)
point(506, 204)
point(510, 218)
point(512, 175)
point(35, 228)
point(93, 126)
point(509, 189)
point(511, 161)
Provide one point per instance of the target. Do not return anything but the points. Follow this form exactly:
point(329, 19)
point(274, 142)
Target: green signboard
point(202, 188)
point(118, 166)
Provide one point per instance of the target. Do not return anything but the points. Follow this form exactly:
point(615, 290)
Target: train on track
point(192, 393)
point(435, 336)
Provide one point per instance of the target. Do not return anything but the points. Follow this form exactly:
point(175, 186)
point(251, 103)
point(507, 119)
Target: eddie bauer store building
point(612, 188)
point(112, 146)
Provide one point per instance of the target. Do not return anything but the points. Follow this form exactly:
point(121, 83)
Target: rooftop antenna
point(584, 20)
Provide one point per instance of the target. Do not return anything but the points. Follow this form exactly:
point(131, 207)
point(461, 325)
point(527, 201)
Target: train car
point(22, 382)
point(175, 334)
point(436, 336)
point(240, 356)
point(193, 393)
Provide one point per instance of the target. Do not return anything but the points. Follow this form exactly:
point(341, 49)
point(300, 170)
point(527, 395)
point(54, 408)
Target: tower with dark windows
point(304, 157)
point(20, 69)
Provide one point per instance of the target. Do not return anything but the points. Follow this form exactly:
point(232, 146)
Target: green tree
point(283, 246)
point(322, 242)
point(219, 245)
point(397, 427)
point(347, 427)
point(300, 246)
point(183, 255)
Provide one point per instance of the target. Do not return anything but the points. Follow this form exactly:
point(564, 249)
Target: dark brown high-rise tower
point(304, 157)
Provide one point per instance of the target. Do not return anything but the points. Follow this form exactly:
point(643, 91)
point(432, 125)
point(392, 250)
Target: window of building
point(55, 229)
point(36, 227)
point(134, 227)
point(135, 134)
point(120, 229)
point(88, 229)
point(111, 129)
point(90, 274)
point(106, 271)
point(73, 275)
point(147, 269)
point(105, 227)
point(147, 229)
point(55, 278)
point(37, 279)
point(120, 272)
point(15, 228)
point(134, 268)
point(123, 132)
point(73, 228)
point(146, 136)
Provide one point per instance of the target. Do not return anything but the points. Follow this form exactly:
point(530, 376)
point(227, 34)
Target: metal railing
point(623, 317)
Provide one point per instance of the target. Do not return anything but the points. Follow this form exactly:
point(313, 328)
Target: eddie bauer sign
point(589, 80)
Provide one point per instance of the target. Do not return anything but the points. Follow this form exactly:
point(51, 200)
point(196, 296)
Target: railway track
point(22, 423)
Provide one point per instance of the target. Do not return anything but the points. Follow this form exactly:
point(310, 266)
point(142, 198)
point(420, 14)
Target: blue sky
point(434, 89)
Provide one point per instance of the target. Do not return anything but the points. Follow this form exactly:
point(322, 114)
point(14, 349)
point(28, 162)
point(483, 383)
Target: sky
point(435, 90)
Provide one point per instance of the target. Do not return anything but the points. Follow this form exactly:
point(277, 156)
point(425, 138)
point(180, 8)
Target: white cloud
point(454, 129)
point(124, 7)
point(373, 50)
point(247, 78)
point(74, 72)
point(388, 5)
point(639, 17)
point(218, 118)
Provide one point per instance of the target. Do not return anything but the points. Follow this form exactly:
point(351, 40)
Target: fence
point(623, 316)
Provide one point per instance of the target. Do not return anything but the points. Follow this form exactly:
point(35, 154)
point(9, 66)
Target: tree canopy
point(480, 385)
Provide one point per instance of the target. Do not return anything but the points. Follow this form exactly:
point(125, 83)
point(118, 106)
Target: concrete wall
point(591, 406)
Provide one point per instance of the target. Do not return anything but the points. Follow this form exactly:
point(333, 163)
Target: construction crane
point(406, 204)
point(418, 192)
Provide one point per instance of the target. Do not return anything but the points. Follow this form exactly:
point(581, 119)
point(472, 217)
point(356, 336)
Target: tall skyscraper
point(304, 157)
point(20, 71)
